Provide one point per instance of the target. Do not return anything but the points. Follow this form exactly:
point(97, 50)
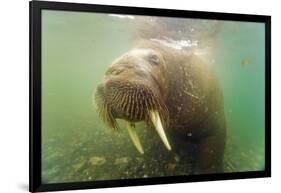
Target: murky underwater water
point(76, 51)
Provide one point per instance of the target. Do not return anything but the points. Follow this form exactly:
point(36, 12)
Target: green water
point(76, 146)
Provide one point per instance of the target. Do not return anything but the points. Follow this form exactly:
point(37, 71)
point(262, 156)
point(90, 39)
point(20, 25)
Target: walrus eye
point(154, 59)
point(115, 72)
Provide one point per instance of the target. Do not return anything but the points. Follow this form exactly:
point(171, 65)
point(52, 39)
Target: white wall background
point(14, 95)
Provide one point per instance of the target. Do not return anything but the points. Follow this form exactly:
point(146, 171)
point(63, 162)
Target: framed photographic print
point(123, 96)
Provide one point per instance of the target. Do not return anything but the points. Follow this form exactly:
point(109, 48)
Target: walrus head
point(134, 89)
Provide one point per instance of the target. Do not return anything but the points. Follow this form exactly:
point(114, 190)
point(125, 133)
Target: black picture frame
point(35, 8)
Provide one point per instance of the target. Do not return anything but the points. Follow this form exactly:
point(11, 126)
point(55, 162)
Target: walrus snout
point(132, 101)
point(129, 100)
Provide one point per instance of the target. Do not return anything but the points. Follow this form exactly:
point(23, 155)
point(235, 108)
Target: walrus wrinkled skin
point(172, 91)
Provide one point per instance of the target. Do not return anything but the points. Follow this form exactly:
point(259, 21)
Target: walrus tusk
point(134, 136)
point(155, 118)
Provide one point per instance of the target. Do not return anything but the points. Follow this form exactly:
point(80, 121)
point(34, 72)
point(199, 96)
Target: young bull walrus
point(175, 93)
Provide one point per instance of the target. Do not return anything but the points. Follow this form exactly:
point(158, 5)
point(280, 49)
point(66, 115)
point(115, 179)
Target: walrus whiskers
point(136, 102)
point(104, 111)
point(136, 113)
point(132, 112)
point(116, 97)
point(131, 107)
point(110, 119)
point(141, 105)
point(122, 100)
point(124, 103)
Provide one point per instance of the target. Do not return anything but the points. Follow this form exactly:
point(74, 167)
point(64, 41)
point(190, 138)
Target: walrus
point(172, 91)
